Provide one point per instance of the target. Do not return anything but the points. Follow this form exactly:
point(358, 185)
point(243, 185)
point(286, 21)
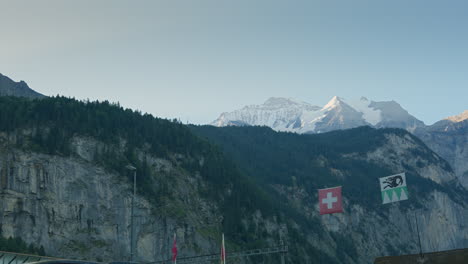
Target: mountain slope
point(335, 115)
point(394, 116)
point(64, 186)
point(449, 138)
point(459, 118)
point(288, 115)
point(10, 88)
point(280, 113)
point(294, 166)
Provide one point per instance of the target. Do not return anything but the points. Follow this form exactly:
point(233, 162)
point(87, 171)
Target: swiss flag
point(330, 200)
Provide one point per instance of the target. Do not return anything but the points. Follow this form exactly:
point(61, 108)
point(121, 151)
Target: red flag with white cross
point(330, 201)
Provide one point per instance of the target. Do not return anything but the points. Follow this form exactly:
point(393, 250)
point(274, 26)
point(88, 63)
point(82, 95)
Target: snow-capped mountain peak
point(333, 103)
point(282, 114)
point(286, 114)
point(370, 114)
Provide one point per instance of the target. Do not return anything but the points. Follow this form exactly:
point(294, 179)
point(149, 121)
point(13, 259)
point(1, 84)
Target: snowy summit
point(284, 114)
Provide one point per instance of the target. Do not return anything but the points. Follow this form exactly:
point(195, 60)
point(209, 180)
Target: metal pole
point(282, 253)
point(131, 218)
point(419, 237)
point(132, 168)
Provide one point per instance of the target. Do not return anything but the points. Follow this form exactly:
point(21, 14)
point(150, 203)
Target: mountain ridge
point(338, 113)
point(64, 186)
point(8, 87)
point(458, 118)
point(447, 137)
point(296, 165)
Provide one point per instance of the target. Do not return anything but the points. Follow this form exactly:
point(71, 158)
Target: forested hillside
point(292, 159)
point(64, 186)
point(294, 166)
point(50, 125)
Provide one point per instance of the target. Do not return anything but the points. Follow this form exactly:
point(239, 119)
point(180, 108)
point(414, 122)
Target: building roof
point(457, 256)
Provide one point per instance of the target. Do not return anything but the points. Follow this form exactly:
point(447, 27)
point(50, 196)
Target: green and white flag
point(394, 188)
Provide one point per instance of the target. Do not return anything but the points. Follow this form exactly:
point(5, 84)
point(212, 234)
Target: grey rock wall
point(76, 209)
point(450, 141)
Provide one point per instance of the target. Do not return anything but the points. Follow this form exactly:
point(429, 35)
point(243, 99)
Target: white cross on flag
point(330, 200)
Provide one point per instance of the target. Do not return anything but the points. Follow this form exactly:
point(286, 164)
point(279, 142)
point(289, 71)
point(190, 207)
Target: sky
point(195, 59)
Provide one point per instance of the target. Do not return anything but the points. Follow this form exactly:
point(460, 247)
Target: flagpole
point(419, 237)
point(174, 249)
point(224, 252)
point(282, 247)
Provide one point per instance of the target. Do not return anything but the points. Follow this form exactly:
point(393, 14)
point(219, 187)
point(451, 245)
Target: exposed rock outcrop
point(9, 87)
point(76, 209)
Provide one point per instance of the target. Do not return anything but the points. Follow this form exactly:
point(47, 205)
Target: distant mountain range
point(283, 114)
point(65, 188)
point(8, 87)
point(448, 137)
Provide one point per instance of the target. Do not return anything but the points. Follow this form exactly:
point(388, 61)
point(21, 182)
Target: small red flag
point(223, 252)
point(330, 200)
point(174, 250)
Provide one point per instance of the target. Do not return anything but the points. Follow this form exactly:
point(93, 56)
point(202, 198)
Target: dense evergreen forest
point(48, 126)
point(320, 161)
point(247, 161)
point(305, 160)
point(309, 161)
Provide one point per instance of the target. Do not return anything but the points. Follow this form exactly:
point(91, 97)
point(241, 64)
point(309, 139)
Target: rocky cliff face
point(10, 88)
point(367, 229)
point(449, 138)
point(76, 209)
point(389, 229)
point(442, 217)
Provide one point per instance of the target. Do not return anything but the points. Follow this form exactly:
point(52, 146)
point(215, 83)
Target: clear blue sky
point(194, 59)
